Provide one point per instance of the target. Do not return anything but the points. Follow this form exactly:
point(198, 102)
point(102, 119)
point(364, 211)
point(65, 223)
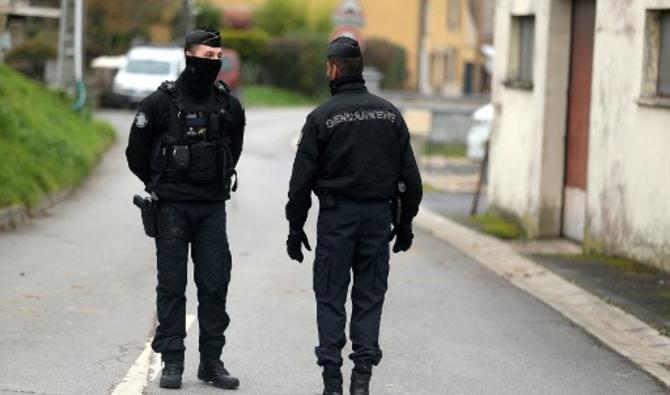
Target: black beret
point(207, 37)
point(344, 47)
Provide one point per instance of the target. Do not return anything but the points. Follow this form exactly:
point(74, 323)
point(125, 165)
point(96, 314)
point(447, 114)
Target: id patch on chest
point(141, 120)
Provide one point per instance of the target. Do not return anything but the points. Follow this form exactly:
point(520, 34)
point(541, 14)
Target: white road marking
point(145, 369)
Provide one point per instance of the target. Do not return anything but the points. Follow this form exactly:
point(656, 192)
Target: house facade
point(581, 140)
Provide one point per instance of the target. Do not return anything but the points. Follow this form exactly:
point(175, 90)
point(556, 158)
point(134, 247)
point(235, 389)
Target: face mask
point(202, 71)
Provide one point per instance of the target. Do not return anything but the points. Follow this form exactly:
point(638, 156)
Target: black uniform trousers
point(203, 226)
point(352, 237)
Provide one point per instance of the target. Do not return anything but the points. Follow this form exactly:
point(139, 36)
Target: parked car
point(480, 131)
point(145, 69)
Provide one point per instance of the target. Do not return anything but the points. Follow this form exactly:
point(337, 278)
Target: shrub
point(388, 58)
point(250, 44)
point(297, 62)
point(30, 57)
point(279, 17)
point(208, 15)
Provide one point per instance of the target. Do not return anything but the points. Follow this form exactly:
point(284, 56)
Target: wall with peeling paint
point(526, 165)
point(628, 194)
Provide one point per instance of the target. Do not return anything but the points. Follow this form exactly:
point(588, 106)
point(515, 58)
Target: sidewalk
point(620, 304)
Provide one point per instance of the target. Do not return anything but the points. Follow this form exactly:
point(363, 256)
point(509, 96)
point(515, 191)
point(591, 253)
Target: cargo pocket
point(322, 269)
point(382, 269)
point(168, 225)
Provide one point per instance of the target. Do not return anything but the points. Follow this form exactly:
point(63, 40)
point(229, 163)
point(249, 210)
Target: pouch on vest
point(204, 167)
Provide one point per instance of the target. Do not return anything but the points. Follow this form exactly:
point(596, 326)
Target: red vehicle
point(230, 70)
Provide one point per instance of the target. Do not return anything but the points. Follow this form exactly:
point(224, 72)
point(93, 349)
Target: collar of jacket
point(197, 93)
point(354, 84)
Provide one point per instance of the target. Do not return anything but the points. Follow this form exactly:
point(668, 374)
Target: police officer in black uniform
point(184, 145)
point(355, 154)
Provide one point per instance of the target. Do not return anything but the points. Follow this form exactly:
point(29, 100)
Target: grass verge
point(448, 150)
point(45, 147)
point(270, 96)
point(495, 225)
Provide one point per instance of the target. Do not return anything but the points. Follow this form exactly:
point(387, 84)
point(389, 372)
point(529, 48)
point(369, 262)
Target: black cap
point(207, 37)
point(344, 47)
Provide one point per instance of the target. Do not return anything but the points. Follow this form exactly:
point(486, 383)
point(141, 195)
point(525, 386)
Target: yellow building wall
point(442, 39)
point(223, 3)
point(396, 21)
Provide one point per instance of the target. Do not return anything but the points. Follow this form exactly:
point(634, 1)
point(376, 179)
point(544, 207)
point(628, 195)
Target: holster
point(149, 211)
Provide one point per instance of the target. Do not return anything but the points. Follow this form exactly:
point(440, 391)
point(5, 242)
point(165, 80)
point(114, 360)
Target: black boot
point(171, 375)
point(360, 379)
point(332, 381)
point(212, 371)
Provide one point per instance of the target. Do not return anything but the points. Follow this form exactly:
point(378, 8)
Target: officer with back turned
point(184, 145)
point(355, 154)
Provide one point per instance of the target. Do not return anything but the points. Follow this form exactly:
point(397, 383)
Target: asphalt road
point(77, 301)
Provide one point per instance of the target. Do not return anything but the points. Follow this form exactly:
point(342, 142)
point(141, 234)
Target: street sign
point(351, 13)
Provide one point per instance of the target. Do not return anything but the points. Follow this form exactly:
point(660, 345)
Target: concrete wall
point(527, 150)
point(628, 193)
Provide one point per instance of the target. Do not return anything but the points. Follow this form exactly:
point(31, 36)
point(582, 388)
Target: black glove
point(296, 237)
point(403, 237)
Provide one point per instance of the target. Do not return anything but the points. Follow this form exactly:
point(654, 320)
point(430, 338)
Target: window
point(141, 66)
point(521, 57)
point(664, 55)
point(454, 15)
point(655, 90)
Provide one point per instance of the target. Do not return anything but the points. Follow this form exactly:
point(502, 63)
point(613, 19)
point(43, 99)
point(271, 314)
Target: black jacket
point(152, 123)
point(356, 145)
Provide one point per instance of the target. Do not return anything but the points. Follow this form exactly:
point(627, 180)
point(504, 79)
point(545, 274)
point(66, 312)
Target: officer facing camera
point(355, 154)
point(184, 145)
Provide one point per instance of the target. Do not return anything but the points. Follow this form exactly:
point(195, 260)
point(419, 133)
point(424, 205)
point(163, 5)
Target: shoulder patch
point(141, 120)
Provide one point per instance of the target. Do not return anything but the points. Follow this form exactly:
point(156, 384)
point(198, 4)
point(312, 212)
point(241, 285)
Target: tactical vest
point(197, 146)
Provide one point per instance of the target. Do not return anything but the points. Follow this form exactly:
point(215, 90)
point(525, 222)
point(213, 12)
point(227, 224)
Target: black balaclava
point(344, 47)
point(200, 73)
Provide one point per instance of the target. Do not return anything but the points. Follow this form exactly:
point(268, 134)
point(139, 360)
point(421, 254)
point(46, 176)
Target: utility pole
point(65, 44)
point(424, 70)
point(70, 66)
point(189, 15)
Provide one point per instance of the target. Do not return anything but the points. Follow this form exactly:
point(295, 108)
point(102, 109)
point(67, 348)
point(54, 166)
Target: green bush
point(279, 17)
point(249, 44)
point(45, 147)
point(297, 62)
point(30, 57)
point(388, 58)
point(208, 15)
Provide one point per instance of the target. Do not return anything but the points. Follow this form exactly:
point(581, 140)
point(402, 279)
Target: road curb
point(621, 331)
point(14, 216)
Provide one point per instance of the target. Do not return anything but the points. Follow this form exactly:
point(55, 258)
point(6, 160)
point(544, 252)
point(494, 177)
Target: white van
point(144, 70)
